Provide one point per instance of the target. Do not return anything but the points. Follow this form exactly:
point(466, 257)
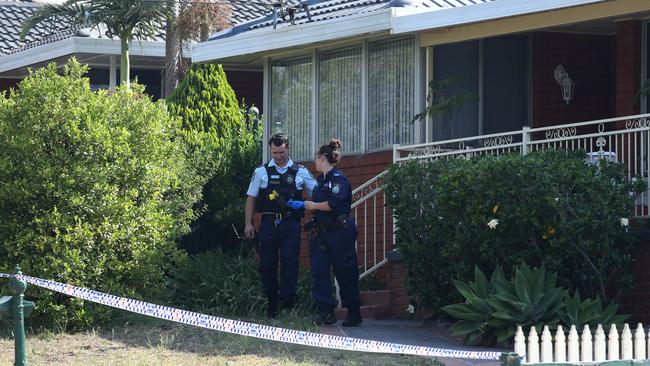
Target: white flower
point(493, 223)
point(557, 199)
point(625, 221)
point(410, 309)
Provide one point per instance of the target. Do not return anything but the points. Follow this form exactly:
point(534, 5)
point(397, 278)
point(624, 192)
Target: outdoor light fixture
point(565, 82)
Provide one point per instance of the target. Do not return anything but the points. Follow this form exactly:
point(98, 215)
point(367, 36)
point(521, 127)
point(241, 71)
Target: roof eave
point(263, 40)
point(406, 22)
point(76, 45)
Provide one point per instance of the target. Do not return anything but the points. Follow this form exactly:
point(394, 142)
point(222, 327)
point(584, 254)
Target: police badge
point(290, 179)
point(336, 188)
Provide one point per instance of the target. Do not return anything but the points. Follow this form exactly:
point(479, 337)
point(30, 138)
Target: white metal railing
point(622, 139)
point(586, 347)
point(373, 220)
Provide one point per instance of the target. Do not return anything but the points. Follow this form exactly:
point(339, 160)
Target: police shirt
point(260, 178)
point(333, 188)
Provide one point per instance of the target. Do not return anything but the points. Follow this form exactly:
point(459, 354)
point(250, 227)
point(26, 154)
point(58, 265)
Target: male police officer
point(273, 184)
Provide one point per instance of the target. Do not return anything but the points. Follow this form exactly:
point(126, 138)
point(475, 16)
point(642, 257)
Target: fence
point(621, 139)
point(586, 347)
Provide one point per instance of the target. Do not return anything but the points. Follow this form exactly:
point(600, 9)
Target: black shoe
point(354, 317)
point(272, 309)
point(325, 317)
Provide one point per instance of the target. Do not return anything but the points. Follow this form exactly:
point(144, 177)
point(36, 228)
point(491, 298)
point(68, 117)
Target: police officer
point(334, 241)
point(272, 185)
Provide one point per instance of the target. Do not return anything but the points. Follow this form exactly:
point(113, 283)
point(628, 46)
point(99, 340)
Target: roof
point(321, 10)
point(14, 13)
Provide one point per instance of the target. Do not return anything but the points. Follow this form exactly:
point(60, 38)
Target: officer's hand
point(296, 205)
point(249, 231)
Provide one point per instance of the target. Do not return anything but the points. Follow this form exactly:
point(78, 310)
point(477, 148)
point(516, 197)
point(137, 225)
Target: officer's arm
point(249, 212)
point(309, 182)
point(317, 206)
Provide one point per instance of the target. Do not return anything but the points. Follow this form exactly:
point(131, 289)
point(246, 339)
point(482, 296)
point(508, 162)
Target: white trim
point(266, 120)
point(417, 85)
point(480, 86)
point(315, 64)
point(428, 74)
point(76, 45)
point(645, 28)
point(405, 21)
point(292, 36)
point(364, 96)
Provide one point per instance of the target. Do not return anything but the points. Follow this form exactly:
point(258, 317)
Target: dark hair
point(279, 139)
point(331, 151)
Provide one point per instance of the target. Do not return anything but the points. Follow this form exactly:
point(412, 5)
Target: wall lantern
point(566, 84)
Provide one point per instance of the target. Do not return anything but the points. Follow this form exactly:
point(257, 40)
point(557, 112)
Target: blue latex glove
point(296, 205)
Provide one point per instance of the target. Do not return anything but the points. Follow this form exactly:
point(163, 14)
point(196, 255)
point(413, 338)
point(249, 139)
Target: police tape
point(251, 329)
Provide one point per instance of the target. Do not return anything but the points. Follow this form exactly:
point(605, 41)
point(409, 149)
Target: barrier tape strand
point(251, 329)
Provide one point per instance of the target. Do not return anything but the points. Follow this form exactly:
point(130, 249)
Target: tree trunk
point(173, 56)
point(125, 65)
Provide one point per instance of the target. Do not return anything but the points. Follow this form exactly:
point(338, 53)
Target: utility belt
point(278, 217)
point(320, 226)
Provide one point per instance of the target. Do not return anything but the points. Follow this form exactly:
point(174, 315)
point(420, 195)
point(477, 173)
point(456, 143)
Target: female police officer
point(334, 243)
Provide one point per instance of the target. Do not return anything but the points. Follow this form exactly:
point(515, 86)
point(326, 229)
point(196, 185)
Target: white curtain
point(291, 96)
point(391, 93)
point(339, 111)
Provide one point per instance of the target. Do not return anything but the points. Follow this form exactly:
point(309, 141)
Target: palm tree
point(126, 19)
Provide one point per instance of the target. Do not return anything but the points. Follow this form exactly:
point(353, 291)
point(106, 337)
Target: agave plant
point(590, 311)
point(475, 312)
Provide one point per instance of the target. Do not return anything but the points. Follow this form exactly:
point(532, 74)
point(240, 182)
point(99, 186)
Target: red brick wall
point(588, 61)
point(637, 302)
point(628, 67)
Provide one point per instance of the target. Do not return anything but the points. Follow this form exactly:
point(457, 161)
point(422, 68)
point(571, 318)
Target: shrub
point(493, 310)
point(224, 146)
point(549, 207)
point(94, 190)
point(226, 284)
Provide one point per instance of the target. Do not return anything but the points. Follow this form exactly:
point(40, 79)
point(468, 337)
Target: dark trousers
point(335, 249)
point(279, 242)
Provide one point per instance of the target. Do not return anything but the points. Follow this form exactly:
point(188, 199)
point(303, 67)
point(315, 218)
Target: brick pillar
point(628, 67)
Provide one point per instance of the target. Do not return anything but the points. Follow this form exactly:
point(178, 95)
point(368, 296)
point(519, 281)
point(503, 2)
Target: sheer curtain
point(391, 93)
point(339, 111)
point(291, 95)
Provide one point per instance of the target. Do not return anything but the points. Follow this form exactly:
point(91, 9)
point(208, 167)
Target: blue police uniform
point(335, 243)
point(279, 233)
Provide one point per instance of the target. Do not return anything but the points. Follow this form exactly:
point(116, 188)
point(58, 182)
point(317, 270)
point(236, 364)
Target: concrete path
point(411, 332)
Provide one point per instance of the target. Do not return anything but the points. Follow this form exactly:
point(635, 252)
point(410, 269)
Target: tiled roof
point(14, 13)
point(320, 10)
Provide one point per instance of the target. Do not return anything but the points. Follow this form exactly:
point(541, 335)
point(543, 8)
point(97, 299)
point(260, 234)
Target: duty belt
point(277, 217)
point(332, 224)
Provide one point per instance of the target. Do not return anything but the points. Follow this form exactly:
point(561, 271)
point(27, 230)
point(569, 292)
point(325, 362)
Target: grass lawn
point(156, 342)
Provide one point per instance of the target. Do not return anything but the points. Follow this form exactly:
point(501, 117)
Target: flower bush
point(546, 207)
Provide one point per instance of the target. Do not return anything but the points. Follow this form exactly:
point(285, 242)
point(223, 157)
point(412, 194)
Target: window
point(391, 93)
point(339, 98)
point(457, 63)
point(291, 98)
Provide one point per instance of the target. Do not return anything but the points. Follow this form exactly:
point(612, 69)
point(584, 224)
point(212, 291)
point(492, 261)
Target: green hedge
point(551, 208)
point(95, 188)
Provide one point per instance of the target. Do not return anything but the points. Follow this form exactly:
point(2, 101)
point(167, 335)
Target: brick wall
point(628, 67)
point(637, 303)
point(589, 61)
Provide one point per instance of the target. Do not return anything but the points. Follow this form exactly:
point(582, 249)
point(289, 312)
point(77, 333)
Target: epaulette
point(337, 174)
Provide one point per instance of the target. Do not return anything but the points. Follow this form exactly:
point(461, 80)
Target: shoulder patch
point(336, 188)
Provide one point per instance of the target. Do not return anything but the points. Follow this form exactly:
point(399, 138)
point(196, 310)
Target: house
point(359, 69)
point(59, 41)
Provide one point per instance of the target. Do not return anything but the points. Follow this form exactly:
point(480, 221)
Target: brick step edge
point(367, 312)
point(379, 297)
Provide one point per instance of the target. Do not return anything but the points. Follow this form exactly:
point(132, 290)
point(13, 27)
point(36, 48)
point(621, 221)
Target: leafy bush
point(226, 284)
point(224, 146)
point(493, 310)
point(94, 190)
point(548, 207)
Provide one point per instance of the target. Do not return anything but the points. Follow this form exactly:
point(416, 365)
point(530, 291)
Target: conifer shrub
point(547, 208)
point(95, 187)
point(225, 147)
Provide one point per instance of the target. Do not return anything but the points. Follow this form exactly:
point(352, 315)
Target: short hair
point(279, 139)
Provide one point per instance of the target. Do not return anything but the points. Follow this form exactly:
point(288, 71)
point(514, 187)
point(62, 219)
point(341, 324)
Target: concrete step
point(378, 297)
point(367, 312)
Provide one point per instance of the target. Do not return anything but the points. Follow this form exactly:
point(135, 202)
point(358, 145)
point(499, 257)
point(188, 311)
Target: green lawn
point(161, 343)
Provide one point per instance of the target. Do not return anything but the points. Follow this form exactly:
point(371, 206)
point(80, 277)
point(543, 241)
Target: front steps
point(374, 305)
